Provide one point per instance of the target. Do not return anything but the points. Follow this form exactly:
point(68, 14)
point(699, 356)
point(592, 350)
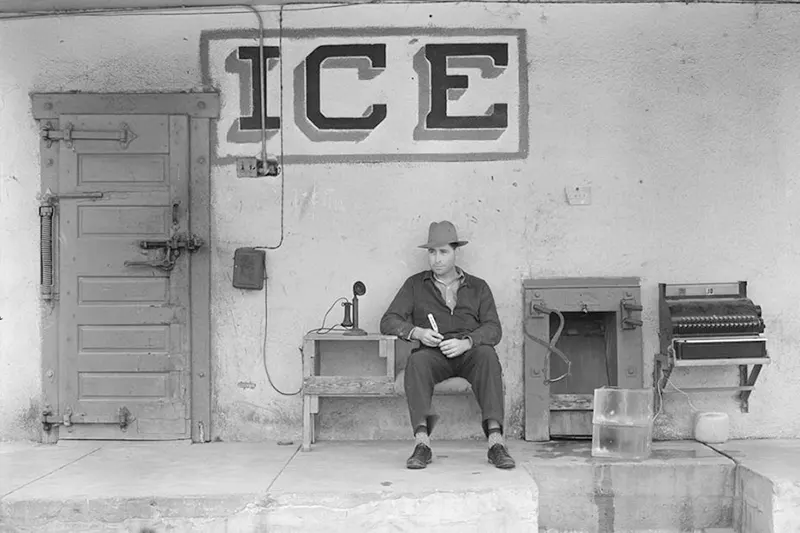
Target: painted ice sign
point(371, 94)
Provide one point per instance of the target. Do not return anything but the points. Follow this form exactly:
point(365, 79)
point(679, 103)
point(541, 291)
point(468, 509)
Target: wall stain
point(28, 422)
point(603, 498)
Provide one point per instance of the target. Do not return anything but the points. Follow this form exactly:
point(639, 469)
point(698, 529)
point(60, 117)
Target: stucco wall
point(684, 119)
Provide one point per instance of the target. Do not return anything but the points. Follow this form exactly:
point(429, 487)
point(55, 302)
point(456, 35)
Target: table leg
point(314, 418)
point(308, 423)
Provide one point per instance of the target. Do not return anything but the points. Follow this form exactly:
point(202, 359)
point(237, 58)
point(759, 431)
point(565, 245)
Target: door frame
point(201, 108)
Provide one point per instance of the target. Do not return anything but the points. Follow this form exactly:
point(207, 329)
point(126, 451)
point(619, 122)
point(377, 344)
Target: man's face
point(442, 259)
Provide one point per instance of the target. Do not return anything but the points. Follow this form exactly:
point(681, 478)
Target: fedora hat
point(441, 233)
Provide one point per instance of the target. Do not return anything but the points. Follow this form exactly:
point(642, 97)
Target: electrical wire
point(263, 89)
point(264, 352)
point(322, 329)
point(661, 397)
point(262, 68)
point(211, 9)
point(551, 344)
point(206, 9)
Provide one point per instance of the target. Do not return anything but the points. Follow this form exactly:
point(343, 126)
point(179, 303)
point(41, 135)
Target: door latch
point(69, 135)
point(172, 250)
point(192, 243)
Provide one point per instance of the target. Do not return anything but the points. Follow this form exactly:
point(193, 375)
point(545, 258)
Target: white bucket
point(712, 428)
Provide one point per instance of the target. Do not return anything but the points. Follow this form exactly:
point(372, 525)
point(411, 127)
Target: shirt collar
point(463, 276)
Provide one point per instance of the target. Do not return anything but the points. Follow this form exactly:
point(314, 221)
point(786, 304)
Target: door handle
point(192, 243)
point(166, 264)
point(176, 205)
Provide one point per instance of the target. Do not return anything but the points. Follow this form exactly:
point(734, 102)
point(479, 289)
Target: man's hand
point(428, 337)
point(455, 347)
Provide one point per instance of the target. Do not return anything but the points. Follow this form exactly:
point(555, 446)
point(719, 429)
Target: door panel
point(124, 329)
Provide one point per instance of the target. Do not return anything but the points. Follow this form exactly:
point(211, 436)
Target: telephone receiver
point(359, 289)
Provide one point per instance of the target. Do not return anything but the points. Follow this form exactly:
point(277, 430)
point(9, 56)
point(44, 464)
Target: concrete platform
point(364, 486)
point(683, 486)
point(238, 487)
point(767, 484)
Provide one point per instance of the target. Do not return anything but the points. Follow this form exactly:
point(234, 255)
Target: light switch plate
point(578, 194)
point(247, 167)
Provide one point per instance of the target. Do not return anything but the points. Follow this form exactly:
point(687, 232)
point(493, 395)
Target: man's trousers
point(480, 366)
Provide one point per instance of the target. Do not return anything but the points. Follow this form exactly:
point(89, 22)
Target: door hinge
point(627, 307)
point(69, 135)
point(125, 418)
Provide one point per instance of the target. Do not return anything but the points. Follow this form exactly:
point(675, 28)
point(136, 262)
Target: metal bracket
point(536, 310)
point(627, 307)
point(69, 135)
point(665, 364)
point(747, 382)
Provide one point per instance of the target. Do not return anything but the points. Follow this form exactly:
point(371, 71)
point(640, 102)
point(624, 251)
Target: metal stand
point(665, 363)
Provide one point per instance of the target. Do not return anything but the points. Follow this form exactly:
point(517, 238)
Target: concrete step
point(361, 486)
point(337, 487)
point(767, 484)
point(683, 486)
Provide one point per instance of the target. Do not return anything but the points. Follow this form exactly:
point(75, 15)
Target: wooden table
point(316, 385)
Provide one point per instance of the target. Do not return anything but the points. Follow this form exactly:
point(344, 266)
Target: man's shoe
point(499, 457)
point(420, 458)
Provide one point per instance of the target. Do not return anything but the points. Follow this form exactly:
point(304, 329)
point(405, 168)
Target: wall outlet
point(246, 167)
point(579, 195)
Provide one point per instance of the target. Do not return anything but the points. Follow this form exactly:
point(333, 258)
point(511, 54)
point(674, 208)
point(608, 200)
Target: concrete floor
point(364, 486)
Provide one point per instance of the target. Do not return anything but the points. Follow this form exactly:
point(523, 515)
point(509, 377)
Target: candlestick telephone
point(359, 289)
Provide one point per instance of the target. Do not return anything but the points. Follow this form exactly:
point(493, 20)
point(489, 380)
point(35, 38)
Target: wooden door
point(124, 331)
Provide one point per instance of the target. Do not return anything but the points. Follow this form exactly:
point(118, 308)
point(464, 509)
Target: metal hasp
point(69, 135)
point(593, 323)
point(125, 418)
point(709, 325)
point(47, 419)
point(172, 250)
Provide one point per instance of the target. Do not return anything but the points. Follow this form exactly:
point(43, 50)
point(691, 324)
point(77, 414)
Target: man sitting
point(458, 340)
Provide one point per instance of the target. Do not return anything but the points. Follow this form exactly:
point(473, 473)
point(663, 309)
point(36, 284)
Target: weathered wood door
point(124, 331)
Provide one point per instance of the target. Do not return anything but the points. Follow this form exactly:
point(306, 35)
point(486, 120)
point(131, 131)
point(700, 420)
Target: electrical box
point(579, 195)
point(247, 167)
point(249, 268)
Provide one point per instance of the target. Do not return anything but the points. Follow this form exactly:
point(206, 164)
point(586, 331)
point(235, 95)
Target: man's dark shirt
point(474, 316)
